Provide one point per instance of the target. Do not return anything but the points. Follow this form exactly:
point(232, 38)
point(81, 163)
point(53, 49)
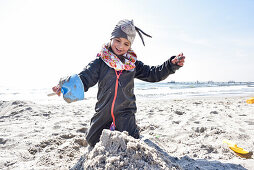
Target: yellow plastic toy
point(250, 101)
point(239, 151)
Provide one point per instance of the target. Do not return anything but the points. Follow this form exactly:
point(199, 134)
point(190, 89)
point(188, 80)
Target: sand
point(175, 134)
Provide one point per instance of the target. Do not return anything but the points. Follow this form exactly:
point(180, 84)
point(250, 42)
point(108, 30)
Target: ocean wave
point(141, 90)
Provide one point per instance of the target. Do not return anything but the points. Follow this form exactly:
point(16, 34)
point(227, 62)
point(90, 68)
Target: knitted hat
point(126, 29)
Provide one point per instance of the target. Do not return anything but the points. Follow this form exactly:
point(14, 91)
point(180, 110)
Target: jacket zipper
point(113, 103)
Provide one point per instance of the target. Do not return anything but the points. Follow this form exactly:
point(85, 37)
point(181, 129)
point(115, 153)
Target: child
point(114, 69)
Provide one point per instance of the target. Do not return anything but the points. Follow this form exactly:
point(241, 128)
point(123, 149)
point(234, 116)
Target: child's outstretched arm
point(161, 72)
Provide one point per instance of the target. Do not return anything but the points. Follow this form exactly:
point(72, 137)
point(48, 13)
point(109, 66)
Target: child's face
point(120, 46)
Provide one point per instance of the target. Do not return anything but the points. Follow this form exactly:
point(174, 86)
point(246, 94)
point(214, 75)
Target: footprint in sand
point(82, 130)
point(67, 136)
point(179, 112)
point(249, 122)
point(2, 141)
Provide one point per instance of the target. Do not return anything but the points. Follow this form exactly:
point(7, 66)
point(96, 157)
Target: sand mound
point(117, 150)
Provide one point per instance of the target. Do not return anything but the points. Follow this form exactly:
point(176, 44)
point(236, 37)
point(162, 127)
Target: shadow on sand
point(188, 163)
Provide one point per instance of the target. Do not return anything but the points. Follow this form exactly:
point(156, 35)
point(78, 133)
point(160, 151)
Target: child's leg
point(127, 122)
point(95, 130)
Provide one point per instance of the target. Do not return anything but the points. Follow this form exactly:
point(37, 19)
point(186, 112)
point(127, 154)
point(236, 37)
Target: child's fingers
point(179, 60)
point(57, 90)
point(180, 64)
point(174, 60)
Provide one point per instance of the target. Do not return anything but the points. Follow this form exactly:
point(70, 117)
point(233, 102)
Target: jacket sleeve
point(90, 74)
point(155, 73)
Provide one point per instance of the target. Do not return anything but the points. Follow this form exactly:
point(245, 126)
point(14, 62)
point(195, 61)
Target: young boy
point(114, 69)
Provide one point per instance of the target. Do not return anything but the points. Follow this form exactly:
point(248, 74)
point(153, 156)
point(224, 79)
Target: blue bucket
point(73, 89)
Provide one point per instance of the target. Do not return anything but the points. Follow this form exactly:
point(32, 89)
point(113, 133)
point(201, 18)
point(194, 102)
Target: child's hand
point(57, 90)
point(179, 60)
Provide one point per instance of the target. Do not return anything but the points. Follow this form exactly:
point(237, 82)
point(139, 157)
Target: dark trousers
point(124, 122)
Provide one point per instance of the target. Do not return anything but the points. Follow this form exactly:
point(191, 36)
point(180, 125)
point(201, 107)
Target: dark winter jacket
point(99, 72)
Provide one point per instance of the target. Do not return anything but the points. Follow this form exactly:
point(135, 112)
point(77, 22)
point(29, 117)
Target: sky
point(42, 41)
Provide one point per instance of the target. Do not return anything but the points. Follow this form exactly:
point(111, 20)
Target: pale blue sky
point(41, 41)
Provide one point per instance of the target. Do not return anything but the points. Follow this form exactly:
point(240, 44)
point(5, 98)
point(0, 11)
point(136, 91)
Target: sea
point(157, 91)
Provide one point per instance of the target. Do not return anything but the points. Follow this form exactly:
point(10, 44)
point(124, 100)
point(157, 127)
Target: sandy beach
point(189, 64)
point(175, 134)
